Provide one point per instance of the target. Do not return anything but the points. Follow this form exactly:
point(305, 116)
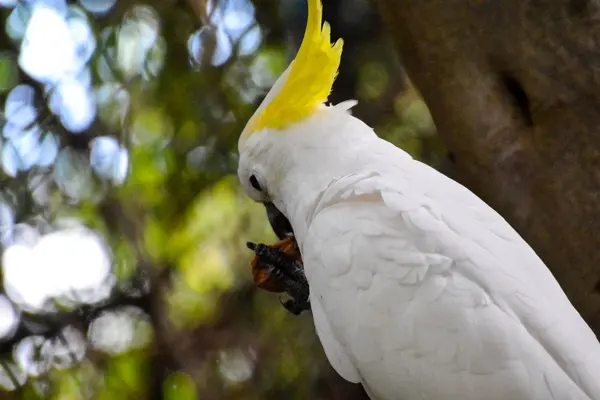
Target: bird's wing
point(429, 292)
point(333, 350)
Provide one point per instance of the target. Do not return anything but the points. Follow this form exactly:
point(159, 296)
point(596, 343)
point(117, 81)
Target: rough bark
point(514, 89)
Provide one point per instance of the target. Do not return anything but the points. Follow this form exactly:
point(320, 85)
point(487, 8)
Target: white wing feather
point(422, 291)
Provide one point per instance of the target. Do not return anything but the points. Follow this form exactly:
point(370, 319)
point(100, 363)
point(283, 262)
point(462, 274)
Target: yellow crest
point(310, 79)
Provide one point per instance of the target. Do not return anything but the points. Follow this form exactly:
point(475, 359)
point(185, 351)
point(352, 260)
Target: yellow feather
point(310, 79)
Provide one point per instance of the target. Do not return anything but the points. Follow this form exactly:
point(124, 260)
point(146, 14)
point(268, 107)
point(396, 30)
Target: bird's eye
point(254, 183)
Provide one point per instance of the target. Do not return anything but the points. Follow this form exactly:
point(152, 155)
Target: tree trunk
point(514, 89)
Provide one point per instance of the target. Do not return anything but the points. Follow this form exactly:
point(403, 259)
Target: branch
point(51, 325)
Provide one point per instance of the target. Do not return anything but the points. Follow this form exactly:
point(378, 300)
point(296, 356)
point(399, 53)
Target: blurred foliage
point(122, 226)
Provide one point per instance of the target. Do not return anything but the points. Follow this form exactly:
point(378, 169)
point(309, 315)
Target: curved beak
point(279, 223)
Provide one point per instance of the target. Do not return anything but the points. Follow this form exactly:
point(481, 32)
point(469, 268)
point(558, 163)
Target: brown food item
point(260, 278)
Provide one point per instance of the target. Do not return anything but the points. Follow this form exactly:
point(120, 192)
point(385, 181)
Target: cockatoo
point(418, 289)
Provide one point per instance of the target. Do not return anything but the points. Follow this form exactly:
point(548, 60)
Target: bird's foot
point(286, 272)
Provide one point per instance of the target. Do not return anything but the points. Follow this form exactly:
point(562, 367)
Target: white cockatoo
point(418, 289)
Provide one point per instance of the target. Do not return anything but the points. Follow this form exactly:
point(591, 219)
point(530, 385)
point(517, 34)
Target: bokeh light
point(8, 317)
point(71, 263)
point(98, 7)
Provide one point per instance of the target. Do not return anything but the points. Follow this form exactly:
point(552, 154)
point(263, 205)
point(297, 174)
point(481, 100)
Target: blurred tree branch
point(49, 325)
point(515, 94)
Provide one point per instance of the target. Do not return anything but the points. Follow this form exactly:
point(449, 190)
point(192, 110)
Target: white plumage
point(419, 290)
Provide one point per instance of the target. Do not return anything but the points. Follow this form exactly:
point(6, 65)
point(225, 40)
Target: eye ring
point(254, 183)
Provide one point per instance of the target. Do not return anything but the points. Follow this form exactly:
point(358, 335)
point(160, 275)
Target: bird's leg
point(287, 271)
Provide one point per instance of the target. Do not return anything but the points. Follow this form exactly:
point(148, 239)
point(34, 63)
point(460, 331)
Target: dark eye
point(254, 183)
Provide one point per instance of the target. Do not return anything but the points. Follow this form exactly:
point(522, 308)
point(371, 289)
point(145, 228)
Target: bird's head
point(283, 141)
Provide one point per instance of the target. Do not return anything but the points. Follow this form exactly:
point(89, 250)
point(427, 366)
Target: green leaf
point(179, 386)
point(9, 74)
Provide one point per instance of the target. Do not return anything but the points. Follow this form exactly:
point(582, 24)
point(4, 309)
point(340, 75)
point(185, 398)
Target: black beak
point(280, 224)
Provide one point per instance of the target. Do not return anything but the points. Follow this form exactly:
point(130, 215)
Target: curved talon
point(292, 306)
point(283, 303)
